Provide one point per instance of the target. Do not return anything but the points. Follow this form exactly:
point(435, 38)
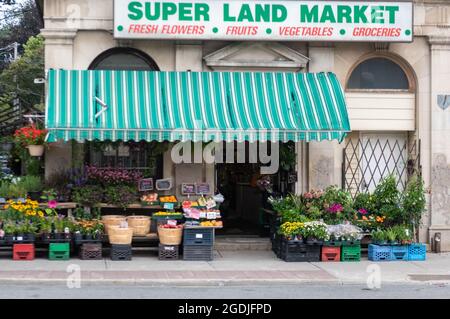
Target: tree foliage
point(20, 21)
point(27, 68)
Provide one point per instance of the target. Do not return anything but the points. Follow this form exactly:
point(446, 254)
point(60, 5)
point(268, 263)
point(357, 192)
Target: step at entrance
point(230, 243)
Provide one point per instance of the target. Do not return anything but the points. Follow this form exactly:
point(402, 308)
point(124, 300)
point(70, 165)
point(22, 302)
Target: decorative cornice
point(58, 36)
point(290, 58)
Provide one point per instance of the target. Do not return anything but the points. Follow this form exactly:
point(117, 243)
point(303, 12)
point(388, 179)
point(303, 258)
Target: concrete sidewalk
point(228, 267)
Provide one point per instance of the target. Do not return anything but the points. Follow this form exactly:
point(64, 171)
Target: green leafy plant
point(414, 204)
point(288, 156)
point(121, 196)
point(88, 195)
point(378, 236)
point(45, 225)
point(59, 224)
point(31, 183)
point(4, 190)
point(403, 234)
point(9, 227)
point(387, 200)
point(391, 235)
point(17, 191)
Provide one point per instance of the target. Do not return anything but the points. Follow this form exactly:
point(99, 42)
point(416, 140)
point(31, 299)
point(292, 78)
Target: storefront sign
point(387, 21)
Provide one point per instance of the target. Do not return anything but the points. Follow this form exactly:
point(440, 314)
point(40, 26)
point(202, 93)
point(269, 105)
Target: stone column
point(325, 157)
point(440, 141)
point(58, 55)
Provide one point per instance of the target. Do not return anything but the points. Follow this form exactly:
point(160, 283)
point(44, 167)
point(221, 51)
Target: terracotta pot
point(36, 150)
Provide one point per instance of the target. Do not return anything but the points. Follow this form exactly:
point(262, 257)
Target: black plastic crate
point(121, 252)
point(299, 251)
point(198, 236)
point(198, 252)
point(91, 251)
point(168, 252)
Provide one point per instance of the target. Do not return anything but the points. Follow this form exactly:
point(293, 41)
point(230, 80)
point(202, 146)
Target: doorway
point(246, 191)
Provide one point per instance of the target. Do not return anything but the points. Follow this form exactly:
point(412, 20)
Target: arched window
point(124, 59)
point(140, 156)
point(378, 74)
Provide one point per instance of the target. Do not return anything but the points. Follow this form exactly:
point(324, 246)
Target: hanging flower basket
point(36, 150)
point(31, 138)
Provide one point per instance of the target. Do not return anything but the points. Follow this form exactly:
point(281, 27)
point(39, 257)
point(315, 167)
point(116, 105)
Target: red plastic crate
point(23, 252)
point(331, 253)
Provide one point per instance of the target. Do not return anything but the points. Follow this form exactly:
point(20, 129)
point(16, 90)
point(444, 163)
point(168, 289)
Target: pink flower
point(52, 204)
point(335, 208)
point(362, 211)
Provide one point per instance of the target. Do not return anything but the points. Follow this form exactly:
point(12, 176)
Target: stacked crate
point(198, 243)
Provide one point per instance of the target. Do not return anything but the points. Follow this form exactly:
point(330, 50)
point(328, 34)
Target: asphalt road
point(124, 291)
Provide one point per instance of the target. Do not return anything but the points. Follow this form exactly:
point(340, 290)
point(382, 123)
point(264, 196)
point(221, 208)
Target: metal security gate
point(371, 157)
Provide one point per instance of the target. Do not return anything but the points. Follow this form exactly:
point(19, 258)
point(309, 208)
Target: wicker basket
point(170, 236)
point(120, 236)
point(112, 220)
point(140, 225)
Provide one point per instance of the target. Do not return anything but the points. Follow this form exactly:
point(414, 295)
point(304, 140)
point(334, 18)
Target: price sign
point(188, 189)
point(211, 215)
point(164, 184)
point(170, 206)
point(203, 189)
point(172, 222)
point(145, 185)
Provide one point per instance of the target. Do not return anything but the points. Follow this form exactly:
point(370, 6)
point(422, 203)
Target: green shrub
point(31, 183)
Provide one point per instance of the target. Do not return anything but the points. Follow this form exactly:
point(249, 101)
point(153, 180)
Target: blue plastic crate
point(380, 253)
point(417, 252)
point(399, 253)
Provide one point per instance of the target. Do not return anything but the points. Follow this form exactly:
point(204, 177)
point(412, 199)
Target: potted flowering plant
point(315, 232)
point(292, 230)
point(31, 138)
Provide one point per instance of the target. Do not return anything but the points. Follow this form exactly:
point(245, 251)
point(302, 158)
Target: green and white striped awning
point(197, 106)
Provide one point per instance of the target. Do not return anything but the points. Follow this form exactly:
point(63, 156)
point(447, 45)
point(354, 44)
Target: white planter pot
point(36, 150)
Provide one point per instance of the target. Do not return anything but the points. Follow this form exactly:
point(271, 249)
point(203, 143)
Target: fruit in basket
point(150, 197)
point(168, 226)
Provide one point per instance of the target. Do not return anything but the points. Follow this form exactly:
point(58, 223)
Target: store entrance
point(246, 192)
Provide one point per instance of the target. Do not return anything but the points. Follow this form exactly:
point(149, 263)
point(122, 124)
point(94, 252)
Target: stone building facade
point(77, 32)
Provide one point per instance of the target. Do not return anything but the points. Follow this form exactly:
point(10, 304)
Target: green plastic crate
point(59, 251)
point(351, 253)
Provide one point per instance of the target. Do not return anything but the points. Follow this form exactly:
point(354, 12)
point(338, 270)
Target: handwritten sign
point(164, 184)
point(188, 189)
point(146, 184)
point(203, 189)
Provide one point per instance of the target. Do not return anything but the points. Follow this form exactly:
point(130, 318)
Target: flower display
point(112, 176)
point(28, 208)
point(335, 208)
point(30, 135)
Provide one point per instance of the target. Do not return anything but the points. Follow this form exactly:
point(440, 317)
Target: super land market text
point(185, 11)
